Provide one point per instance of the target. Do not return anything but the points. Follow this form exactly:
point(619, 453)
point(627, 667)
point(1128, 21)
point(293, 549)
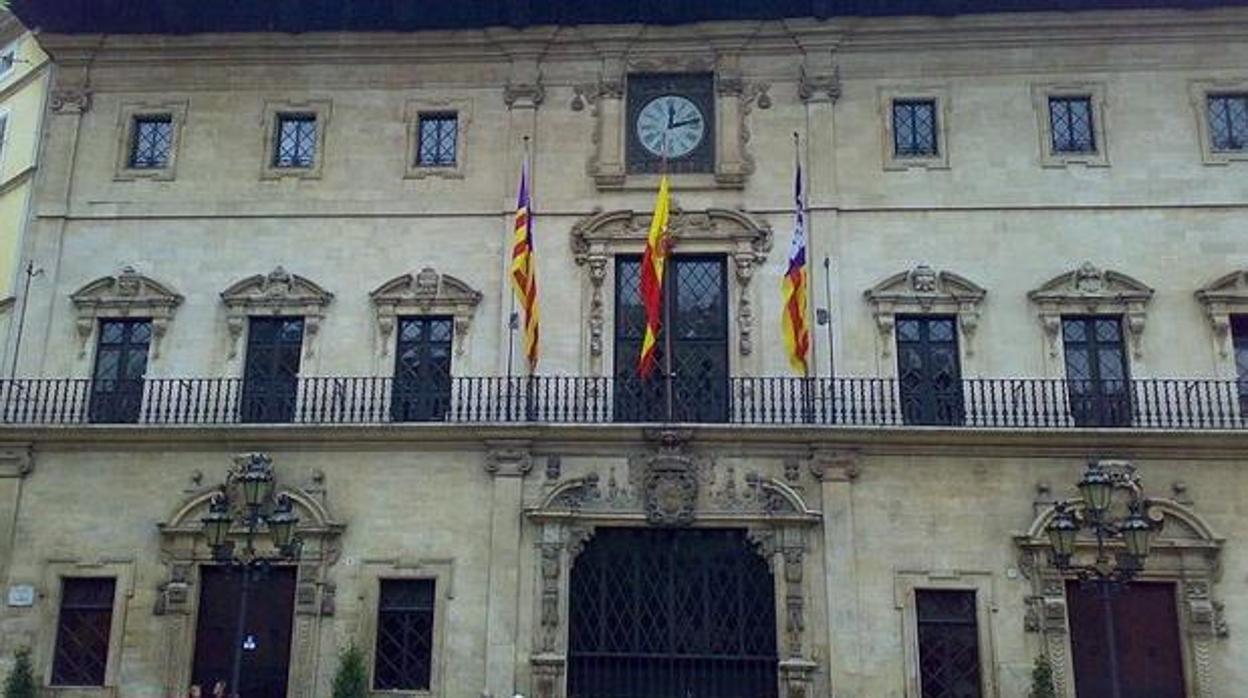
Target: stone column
point(508, 463)
point(836, 472)
point(15, 464)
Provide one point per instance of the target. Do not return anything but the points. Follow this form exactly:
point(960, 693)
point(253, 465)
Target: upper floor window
point(294, 141)
point(437, 140)
point(948, 643)
point(914, 128)
point(120, 364)
point(151, 141)
point(929, 369)
point(1097, 376)
point(1239, 338)
point(403, 654)
point(1228, 121)
point(271, 370)
point(1070, 124)
point(422, 370)
point(83, 628)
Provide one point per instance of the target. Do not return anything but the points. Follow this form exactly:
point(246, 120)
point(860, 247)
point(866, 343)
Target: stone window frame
point(922, 290)
point(941, 95)
point(412, 111)
point(1223, 297)
point(128, 294)
point(278, 293)
point(321, 109)
point(1199, 91)
point(127, 114)
point(372, 573)
point(907, 582)
point(122, 571)
point(1095, 92)
point(427, 292)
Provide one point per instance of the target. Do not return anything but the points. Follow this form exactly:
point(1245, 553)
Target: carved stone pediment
point(925, 290)
point(1223, 297)
point(277, 293)
point(1092, 290)
point(128, 294)
point(425, 293)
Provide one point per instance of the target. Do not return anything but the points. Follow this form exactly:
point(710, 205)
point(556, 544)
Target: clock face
point(671, 126)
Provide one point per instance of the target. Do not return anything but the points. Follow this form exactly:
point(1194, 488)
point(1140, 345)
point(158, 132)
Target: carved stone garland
point(425, 293)
point(1186, 553)
point(277, 293)
point(128, 294)
point(1089, 290)
point(925, 290)
point(597, 238)
point(1225, 296)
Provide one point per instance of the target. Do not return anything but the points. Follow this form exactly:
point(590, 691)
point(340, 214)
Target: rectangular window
point(294, 143)
point(120, 364)
point(437, 140)
point(403, 655)
point(82, 631)
point(1097, 380)
point(1228, 121)
point(948, 643)
point(914, 128)
point(929, 369)
point(151, 141)
point(1239, 337)
point(422, 369)
point(1070, 124)
point(271, 372)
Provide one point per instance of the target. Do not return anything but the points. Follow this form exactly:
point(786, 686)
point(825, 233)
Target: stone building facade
point(985, 187)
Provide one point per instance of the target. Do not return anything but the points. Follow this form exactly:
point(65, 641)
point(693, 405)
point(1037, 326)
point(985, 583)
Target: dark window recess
point(1097, 381)
point(437, 141)
point(1146, 635)
point(82, 631)
point(697, 306)
point(120, 364)
point(269, 621)
point(1228, 121)
point(271, 374)
point(1239, 337)
point(914, 128)
point(928, 369)
point(948, 644)
point(1070, 125)
point(404, 652)
point(294, 143)
point(151, 142)
point(422, 369)
point(682, 613)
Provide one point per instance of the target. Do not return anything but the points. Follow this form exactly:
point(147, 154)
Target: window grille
point(295, 144)
point(437, 142)
point(929, 369)
point(1228, 121)
point(1070, 124)
point(82, 631)
point(120, 364)
point(404, 652)
point(948, 644)
point(1097, 376)
point(422, 369)
point(914, 128)
point(151, 142)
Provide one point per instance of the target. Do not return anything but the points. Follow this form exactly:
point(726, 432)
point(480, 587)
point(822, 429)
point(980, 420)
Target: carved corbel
point(1052, 323)
point(597, 274)
point(508, 460)
point(1221, 324)
point(834, 466)
point(884, 323)
point(85, 327)
point(968, 319)
point(385, 327)
point(70, 101)
point(311, 328)
point(1135, 330)
point(744, 264)
point(235, 324)
point(824, 87)
point(524, 95)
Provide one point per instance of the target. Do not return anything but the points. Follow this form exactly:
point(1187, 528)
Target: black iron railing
point(981, 403)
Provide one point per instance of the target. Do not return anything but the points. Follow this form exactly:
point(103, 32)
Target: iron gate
point(671, 613)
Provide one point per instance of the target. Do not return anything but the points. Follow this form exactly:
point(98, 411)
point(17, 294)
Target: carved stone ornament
point(925, 290)
point(1091, 290)
point(597, 238)
point(819, 87)
point(277, 293)
point(70, 101)
point(128, 294)
point(1224, 296)
point(425, 293)
point(670, 491)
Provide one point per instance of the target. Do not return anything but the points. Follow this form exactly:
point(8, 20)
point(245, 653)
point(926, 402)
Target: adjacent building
point(276, 241)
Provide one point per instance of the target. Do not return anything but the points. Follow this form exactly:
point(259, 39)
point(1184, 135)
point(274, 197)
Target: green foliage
point(1042, 679)
point(21, 680)
point(351, 681)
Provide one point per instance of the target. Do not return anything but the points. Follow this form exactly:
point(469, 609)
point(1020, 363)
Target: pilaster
point(16, 462)
point(836, 472)
point(507, 463)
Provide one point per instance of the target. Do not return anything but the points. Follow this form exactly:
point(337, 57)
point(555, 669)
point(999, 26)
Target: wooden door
point(266, 655)
point(1146, 623)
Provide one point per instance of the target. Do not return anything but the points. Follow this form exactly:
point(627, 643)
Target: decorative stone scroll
point(1090, 290)
point(604, 234)
point(128, 294)
point(425, 293)
point(277, 293)
point(1224, 296)
point(925, 290)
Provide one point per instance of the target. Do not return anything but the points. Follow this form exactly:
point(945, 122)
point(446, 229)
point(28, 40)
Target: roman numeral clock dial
point(671, 126)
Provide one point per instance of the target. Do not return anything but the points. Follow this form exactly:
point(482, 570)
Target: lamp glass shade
point(257, 484)
point(217, 527)
point(1062, 531)
point(1137, 535)
point(1097, 490)
point(282, 527)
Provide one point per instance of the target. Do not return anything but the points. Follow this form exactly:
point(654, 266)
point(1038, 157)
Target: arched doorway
point(671, 613)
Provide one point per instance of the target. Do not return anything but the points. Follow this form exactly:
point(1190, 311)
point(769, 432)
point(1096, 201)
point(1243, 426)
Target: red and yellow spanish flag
point(794, 325)
point(523, 271)
point(652, 265)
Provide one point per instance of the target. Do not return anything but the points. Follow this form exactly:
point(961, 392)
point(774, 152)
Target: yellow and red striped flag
point(652, 265)
point(794, 325)
point(523, 271)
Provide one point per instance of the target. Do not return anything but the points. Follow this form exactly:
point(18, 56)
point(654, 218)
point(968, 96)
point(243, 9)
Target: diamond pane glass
point(120, 365)
point(1239, 336)
point(422, 371)
point(914, 128)
point(83, 628)
point(928, 367)
point(948, 644)
point(295, 142)
point(1096, 370)
point(1228, 121)
point(404, 650)
point(151, 142)
point(437, 141)
point(271, 371)
point(1070, 124)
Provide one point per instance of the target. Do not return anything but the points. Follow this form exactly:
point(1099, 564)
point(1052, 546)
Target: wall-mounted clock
point(671, 115)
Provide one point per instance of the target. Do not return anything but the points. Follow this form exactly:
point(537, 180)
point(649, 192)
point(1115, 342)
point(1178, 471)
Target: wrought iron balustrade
point(1012, 403)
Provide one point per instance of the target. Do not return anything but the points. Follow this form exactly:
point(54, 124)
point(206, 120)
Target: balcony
point(991, 403)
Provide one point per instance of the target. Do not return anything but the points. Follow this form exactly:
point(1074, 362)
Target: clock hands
point(671, 114)
point(686, 122)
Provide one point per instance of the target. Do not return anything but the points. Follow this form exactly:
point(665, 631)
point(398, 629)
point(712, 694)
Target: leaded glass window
point(1097, 379)
point(151, 141)
point(1228, 121)
point(1070, 124)
point(1239, 337)
point(403, 656)
point(914, 128)
point(82, 631)
point(437, 142)
point(928, 368)
point(422, 370)
point(294, 144)
point(948, 643)
point(271, 371)
point(120, 364)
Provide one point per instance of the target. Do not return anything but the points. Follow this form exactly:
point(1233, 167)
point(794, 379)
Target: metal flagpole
point(827, 313)
point(666, 328)
point(513, 317)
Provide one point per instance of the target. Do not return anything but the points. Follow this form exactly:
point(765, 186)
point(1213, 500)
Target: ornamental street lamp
point(1123, 542)
point(246, 502)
